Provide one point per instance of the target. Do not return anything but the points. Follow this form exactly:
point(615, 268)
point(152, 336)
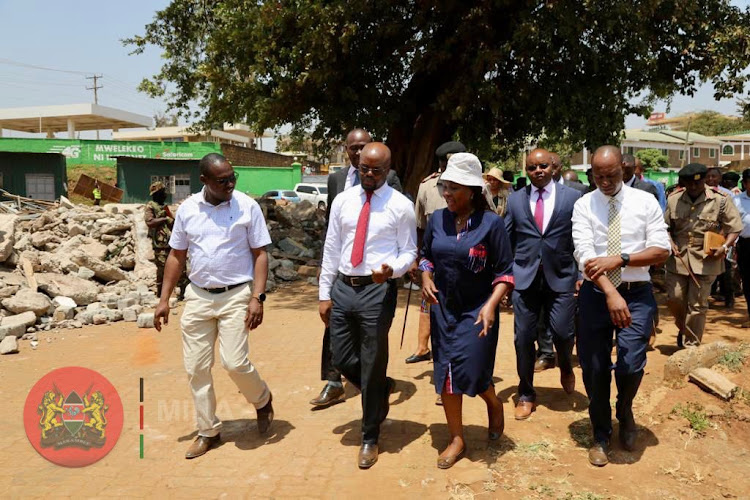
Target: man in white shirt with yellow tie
point(371, 240)
point(618, 232)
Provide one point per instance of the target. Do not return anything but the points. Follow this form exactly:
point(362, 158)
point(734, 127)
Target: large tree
point(419, 72)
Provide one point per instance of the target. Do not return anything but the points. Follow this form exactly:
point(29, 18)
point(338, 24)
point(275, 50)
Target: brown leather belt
point(356, 280)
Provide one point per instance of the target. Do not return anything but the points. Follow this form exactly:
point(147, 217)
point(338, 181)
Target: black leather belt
point(356, 280)
point(221, 289)
point(627, 286)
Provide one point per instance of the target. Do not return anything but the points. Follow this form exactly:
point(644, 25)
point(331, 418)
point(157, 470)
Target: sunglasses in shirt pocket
point(477, 259)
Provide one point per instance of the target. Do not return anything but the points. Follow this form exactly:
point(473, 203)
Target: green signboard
point(103, 153)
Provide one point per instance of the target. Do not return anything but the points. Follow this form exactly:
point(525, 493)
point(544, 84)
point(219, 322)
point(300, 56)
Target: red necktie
point(539, 212)
point(358, 250)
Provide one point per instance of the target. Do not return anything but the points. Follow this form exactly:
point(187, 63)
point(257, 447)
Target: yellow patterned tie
point(614, 245)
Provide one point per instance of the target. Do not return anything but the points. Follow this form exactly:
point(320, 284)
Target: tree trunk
point(413, 144)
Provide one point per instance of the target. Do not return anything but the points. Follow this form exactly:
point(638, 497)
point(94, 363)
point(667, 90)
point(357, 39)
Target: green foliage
point(417, 73)
point(695, 415)
point(735, 359)
point(714, 123)
point(652, 159)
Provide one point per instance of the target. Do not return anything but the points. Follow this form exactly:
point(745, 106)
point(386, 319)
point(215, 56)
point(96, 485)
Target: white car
point(317, 194)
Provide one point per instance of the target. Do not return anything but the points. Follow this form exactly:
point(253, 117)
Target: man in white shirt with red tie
point(371, 240)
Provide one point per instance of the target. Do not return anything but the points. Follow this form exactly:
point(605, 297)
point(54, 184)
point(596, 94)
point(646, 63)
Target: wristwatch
point(625, 259)
point(260, 296)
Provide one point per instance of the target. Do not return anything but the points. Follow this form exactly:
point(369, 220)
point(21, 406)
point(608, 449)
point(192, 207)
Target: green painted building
point(104, 153)
point(41, 176)
point(182, 178)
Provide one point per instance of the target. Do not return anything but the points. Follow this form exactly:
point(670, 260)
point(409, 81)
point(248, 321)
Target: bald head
point(606, 164)
point(570, 176)
point(355, 141)
point(628, 167)
point(539, 167)
point(374, 164)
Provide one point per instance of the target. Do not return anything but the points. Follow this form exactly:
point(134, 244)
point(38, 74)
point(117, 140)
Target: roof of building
point(230, 131)
point(669, 137)
point(86, 116)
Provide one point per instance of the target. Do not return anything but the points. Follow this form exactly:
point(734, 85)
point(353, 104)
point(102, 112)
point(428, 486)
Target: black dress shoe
point(543, 364)
point(414, 358)
point(628, 437)
point(330, 395)
point(201, 445)
point(265, 416)
point(598, 454)
point(368, 455)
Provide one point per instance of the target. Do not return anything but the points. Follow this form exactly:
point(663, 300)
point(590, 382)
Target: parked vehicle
point(317, 194)
point(278, 194)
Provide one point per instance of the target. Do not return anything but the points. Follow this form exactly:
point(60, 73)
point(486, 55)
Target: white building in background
point(236, 134)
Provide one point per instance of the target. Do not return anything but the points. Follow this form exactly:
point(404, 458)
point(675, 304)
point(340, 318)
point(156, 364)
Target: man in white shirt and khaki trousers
point(224, 234)
point(618, 232)
point(371, 239)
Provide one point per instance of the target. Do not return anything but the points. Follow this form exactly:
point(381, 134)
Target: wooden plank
point(713, 382)
point(28, 271)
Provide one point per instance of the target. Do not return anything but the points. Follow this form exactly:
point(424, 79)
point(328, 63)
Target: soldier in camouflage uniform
point(160, 220)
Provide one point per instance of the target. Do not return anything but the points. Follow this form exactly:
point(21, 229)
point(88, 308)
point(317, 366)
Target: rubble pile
point(74, 265)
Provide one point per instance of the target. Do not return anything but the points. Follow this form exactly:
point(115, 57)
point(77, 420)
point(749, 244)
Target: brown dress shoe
point(543, 364)
point(524, 409)
point(265, 416)
point(330, 395)
point(598, 454)
point(568, 382)
point(449, 461)
point(201, 445)
point(368, 455)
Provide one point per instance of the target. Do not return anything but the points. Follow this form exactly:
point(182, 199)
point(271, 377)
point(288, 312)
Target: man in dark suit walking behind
point(333, 392)
point(538, 221)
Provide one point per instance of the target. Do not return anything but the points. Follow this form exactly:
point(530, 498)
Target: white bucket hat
point(464, 169)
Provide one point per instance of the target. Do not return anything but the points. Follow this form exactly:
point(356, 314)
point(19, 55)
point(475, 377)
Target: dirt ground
point(313, 453)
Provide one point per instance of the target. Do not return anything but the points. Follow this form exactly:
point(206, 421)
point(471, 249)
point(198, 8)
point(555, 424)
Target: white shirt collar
point(202, 199)
point(379, 191)
point(547, 188)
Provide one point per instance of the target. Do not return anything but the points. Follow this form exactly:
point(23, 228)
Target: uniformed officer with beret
point(429, 199)
point(692, 211)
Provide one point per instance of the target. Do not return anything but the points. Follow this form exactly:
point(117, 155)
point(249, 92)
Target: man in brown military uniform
point(160, 220)
point(691, 212)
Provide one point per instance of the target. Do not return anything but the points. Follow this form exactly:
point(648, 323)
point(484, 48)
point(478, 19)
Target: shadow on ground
point(581, 434)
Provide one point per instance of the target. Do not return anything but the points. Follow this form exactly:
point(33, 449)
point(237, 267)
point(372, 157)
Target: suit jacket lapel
point(527, 208)
point(558, 206)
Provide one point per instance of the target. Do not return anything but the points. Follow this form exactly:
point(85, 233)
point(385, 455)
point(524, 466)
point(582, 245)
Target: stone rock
point(28, 300)
point(172, 302)
point(681, 363)
point(273, 262)
point(95, 306)
point(148, 299)
point(146, 320)
point(31, 329)
point(115, 226)
point(15, 326)
point(7, 235)
point(8, 291)
point(713, 382)
point(287, 264)
point(9, 345)
point(76, 229)
point(40, 239)
point(292, 247)
point(102, 270)
point(81, 291)
point(131, 313)
point(109, 299)
point(271, 285)
point(312, 281)
point(126, 302)
point(62, 313)
point(63, 301)
point(286, 274)
point(99, 319)
point(308, 271)
point(85, 273)
point(127, 262)
point(21, 244)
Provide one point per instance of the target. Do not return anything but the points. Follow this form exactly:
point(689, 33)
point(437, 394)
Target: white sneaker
point(414, 287)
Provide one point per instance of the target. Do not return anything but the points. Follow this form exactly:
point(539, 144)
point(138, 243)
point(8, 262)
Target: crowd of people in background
point(574, 262)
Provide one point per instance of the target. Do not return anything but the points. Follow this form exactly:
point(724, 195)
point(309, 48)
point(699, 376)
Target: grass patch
point(734, 360)
point(694, 414)
point(540, 449)
point(585, 495)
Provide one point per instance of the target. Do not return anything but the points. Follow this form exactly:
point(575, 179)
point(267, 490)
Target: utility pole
point(95, 88)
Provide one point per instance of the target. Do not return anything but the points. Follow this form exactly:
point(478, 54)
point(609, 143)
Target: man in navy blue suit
point(538, 221)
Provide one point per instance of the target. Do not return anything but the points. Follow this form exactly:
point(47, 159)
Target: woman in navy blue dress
point(467, 269)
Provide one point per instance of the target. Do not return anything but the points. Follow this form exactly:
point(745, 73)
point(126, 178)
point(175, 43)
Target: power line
point(43, 68)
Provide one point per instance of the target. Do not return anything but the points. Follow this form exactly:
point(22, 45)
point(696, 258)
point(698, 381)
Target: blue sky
point(84, 36)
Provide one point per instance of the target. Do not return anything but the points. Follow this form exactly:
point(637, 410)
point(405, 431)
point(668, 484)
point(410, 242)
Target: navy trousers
point(328, 371)
point(595, 340)
point(361, 317)
point(539, 304)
